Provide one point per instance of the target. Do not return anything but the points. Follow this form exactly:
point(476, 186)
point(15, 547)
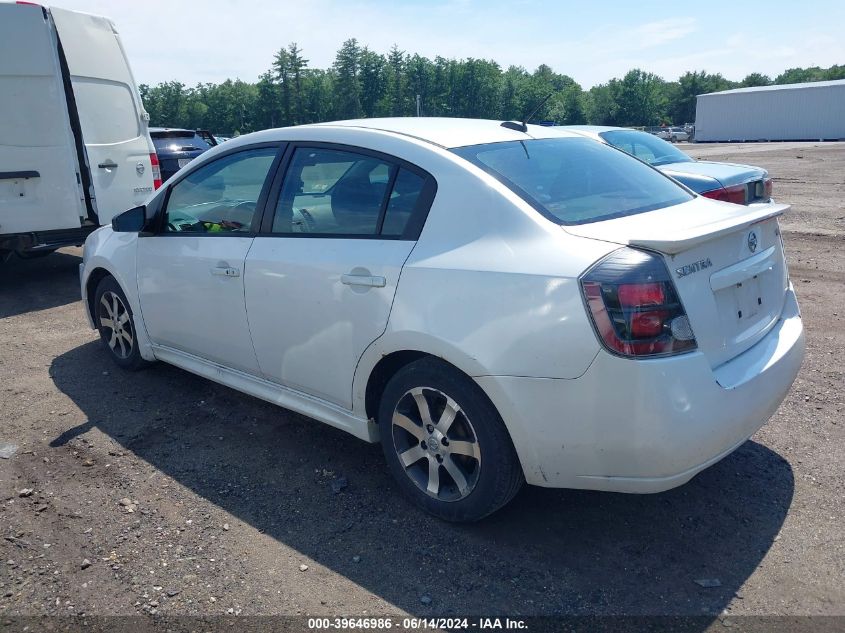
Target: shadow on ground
point(29, 285)
point(549, 552)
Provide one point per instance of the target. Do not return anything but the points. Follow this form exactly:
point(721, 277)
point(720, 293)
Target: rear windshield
point(576, 180)
point(178, 141)
point(647, 147)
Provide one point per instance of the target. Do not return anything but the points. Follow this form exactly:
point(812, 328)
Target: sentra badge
point(694, 267)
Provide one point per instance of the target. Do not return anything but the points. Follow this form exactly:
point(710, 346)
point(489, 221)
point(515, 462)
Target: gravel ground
point(163, 493)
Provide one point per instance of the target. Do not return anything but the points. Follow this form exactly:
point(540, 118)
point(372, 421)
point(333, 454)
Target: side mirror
point(131, 221)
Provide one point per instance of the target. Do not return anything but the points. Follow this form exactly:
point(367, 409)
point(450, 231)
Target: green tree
point(395, 101)
point(689, 86)
point(165, 103)
point(420, 78)
point(297, 66)
point(281, 66)
point(319, 95)
point(373, 81)
point(479, 88)
point(362, 82)
point(568, 107)
point(267, 102)
point(800, 75)
point(601, 105)
point(755, 79)
point(640, 98)
point(347, 85)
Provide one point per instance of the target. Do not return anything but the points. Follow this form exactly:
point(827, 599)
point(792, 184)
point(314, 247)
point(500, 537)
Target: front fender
point(115, 254)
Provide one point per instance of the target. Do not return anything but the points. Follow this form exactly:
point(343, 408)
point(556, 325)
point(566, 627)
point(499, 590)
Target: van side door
point(38, 167)
point(114, 130)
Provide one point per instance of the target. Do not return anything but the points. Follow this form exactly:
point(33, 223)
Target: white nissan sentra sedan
point(493, 303)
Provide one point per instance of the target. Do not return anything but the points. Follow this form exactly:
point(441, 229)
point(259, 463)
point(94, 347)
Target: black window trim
point(415, 223)
point(161, 212)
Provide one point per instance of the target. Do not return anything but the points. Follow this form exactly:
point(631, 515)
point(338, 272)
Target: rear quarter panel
point(491, 287)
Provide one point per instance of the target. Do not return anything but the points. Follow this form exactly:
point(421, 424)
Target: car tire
point(445, 443)
point(116, 325)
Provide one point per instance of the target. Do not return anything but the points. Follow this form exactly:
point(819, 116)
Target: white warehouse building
point(791, 112)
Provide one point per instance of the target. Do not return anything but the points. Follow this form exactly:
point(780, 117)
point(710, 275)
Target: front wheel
point(116, 325)
point(446, 444)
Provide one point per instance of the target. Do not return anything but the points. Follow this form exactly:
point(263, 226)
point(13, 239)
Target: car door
point(111, 117)
point(321, 276)
point(190, 272)
point(39, 190)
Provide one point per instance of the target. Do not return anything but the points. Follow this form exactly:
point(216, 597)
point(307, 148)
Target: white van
point(74, 145)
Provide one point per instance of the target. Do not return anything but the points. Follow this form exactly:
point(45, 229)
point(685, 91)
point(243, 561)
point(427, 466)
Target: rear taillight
point(767, 188)
point(735, 194)
point(156, 170)
point(634, 306)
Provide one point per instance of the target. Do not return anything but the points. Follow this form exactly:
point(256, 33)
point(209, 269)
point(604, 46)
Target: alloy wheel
point(116, 324)
point(436, 444)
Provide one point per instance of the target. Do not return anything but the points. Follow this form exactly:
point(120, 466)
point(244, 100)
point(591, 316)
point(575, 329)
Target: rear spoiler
point(684, 238)
point(675, 229)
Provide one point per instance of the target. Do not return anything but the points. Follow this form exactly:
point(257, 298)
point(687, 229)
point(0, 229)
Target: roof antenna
point(522, 126)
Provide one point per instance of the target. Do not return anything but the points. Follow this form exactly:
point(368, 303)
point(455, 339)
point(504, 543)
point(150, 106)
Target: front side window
point(576, 180)
point(647, 147)
point(220, 197)
point(338, 192)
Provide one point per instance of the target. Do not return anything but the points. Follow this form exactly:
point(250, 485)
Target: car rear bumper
point(646, 426)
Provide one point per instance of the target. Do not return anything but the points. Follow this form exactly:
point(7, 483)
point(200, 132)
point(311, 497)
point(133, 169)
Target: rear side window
point(343, 193)
point(106, 111)
point(576, 180)
point(407, 190)
point(647, 147)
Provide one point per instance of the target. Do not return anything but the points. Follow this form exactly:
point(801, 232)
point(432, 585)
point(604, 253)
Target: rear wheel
point(113, 318)
point(446, 444)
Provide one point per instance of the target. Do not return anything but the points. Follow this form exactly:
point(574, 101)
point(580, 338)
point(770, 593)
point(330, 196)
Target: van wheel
point(36, 254)
point(446, 444)
point(114, 320)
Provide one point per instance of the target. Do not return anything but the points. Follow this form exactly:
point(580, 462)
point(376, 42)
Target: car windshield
point(178, 141)
point(576, 180)
point(647, 147)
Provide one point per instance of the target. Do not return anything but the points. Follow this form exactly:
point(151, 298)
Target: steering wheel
point(183, 222)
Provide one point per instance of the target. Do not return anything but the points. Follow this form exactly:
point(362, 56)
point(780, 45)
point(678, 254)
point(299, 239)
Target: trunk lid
point(727, 174)
point(726, 261)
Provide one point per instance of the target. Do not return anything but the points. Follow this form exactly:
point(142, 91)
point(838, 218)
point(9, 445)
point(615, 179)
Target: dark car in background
point(730, 182)
point(177, 147)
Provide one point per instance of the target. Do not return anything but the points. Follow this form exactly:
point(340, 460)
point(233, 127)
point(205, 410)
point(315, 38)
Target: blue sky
point(211, 40)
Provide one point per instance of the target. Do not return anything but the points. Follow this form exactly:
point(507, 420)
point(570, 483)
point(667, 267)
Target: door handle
point(369, 281)
point(225, 271)
point(108, 164)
